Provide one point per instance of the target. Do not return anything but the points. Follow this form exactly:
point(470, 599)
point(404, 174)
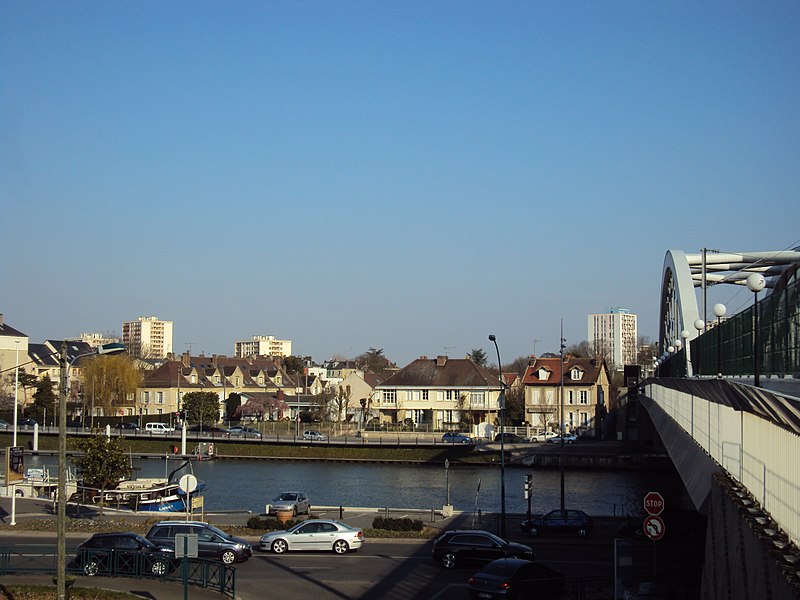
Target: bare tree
point(341, 402)
point(111, 379)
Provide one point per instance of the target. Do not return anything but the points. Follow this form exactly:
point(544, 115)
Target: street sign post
point(654, 503)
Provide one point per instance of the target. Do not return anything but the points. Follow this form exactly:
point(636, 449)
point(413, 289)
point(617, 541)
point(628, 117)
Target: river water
point(250, 484)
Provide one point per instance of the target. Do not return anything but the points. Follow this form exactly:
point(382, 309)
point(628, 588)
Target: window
point(576, 374)
point(584, 397)
point(146, 397)
point(159, 397)
point(424, 395)
point(544, 374)
point(536, 396)
point(570, 397)
point(550, 396)
point(451, 395)
point(477, 399)
point(216, 378)
point(584, 419)
point(390, 396)
point(238, 381)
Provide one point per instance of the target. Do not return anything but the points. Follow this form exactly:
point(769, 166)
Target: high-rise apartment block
point(148, 337)
point(614, 335)
point(263, 345)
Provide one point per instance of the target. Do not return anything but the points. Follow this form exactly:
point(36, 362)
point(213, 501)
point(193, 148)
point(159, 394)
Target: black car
point(127, 426)
point(509, 438)
point(512, 578)
point(472, 545)
point(123, 554)
point(212, 543)
point(26, 422)
point(559, 521)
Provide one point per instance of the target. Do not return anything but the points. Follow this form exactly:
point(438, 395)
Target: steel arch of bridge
point(683, 273)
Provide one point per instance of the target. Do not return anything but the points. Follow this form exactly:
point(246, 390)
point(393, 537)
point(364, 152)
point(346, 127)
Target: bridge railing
point(752, 433)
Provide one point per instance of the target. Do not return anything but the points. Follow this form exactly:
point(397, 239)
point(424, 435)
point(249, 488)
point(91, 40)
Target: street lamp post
point(502, 401)
point(16, 393)
point(685, 336)
point(700, 325)
point(562, 429)
point(61, 493)
point(755, 283)
point(719, 312)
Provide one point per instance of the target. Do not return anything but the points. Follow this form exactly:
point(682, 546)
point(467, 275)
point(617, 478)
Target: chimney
point(441, 360)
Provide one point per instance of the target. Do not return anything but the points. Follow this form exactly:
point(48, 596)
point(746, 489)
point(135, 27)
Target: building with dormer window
point(585, 388)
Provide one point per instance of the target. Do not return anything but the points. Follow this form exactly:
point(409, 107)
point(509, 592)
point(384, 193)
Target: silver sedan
point(314, 535)
point(297, 502)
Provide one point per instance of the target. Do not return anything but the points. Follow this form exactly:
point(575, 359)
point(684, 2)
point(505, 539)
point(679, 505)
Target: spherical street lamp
point(685, 336)
point(719, 312)
point(756, 283)
point(700, 325)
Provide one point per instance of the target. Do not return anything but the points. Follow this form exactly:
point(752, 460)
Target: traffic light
point(528, 485)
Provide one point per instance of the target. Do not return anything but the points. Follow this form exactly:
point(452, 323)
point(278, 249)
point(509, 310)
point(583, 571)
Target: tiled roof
point(442, 372)
point(590, 366)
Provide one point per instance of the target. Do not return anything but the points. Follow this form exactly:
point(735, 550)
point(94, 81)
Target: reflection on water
point(250, 484)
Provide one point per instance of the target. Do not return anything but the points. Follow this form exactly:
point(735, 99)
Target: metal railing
point(18, 560)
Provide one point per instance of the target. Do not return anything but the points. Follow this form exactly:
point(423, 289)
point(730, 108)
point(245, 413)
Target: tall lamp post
point(755, 283)
point(562, 429)
point(719, 312)
point(700, 325)
point(61, 499)
point(685, 336)
point(16, 393)
point(502, 401)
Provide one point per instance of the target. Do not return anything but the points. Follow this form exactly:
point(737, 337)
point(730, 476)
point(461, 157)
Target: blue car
point(453, 437)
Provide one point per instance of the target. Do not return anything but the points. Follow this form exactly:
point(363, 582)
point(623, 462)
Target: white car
point(315, 534)
point(297, 502)
point(542, 436)
point(314, 436)
point(568, 439)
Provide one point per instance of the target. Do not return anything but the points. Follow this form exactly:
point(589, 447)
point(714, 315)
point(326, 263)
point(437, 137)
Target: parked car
point(127, 426)
point(26, 422)
point(314, 534)
point(212, 543)
point(246, 432)
point(559, 521)
point(5, 425)
point(123, 554)
point(158, 428)
point(297, 502)
point(568, 439)
point(515, 579)
point(454, 437)
point(542, 436)
point(314, 436)
point(473, 545)
point(509, 438)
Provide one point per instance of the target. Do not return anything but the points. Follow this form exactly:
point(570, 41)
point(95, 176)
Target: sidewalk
point(153, 589)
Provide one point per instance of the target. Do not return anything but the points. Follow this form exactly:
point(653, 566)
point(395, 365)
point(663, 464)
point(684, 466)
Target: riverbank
point(399, 449)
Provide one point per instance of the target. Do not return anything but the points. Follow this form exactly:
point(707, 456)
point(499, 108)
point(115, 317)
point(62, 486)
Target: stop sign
point(653, 503)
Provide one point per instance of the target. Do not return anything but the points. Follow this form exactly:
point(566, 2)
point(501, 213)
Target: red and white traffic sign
point(654, 503)
point(654, 527)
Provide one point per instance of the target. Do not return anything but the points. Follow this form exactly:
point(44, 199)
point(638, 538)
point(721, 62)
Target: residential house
point(362, 394)
point(585, 388)
point(439, 393)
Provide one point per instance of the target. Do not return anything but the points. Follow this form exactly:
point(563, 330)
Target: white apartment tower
point(148, 337)
point(615, 334)
point(263, 345)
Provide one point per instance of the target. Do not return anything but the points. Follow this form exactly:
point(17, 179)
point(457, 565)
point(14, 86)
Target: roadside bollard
point(433, 515)
point(341, 513)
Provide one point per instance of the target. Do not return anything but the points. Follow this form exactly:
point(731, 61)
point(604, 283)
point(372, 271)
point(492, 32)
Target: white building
point(95, 340)
point(614, 335)
point(148, 337)
point(263, 345)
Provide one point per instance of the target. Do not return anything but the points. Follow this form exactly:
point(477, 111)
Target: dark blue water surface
point(250, 484)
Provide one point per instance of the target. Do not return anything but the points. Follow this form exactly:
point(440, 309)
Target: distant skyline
point(409, 176)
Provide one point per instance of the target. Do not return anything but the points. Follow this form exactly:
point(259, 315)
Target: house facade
point(585, 393)
point(439, 393)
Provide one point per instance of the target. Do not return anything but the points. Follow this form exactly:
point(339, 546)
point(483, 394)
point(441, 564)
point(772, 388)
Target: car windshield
point(286, 497)
point(219, 532)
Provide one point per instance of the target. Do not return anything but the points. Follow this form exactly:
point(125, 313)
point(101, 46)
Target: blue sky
point(411, 176)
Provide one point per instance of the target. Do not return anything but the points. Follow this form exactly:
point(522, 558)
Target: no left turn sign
point(654, 527)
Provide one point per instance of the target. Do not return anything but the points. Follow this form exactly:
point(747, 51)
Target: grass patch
point(43, 592)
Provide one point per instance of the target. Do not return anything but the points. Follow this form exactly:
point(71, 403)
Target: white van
point(158, 428)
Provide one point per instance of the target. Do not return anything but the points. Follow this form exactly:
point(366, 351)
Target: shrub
point(397, 524)
point(268, 523)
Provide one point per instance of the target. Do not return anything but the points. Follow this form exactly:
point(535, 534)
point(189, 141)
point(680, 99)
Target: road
point(403, 569)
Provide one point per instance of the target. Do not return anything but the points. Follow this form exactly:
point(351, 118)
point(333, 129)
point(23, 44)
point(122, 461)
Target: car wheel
point(583, 532)
point(449, 561)
point(533, 530)
point(340, 547)
point(279, 546)
point(294, 511)
point(91, 568)
point(228, 557)
point(159, 568)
